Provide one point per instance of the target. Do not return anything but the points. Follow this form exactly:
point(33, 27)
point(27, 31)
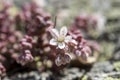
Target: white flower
point(59, 38)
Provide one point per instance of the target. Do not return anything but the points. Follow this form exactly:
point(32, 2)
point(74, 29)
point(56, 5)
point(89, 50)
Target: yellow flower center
point(61, 39)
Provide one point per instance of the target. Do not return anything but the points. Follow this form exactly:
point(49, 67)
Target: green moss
point(106, 50)
point(117, 65)
point(110, 78)
point(84, 77)
point(37, 58)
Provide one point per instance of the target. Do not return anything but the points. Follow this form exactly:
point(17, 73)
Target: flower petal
point(53, 42)
point(63, 31)
point(67, 58)
point(68, 38)
point(54, 33)
point(61, 45)
point(63, 61)
point(58, 61)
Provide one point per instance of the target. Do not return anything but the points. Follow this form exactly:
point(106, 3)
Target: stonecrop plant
point(66, 45)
